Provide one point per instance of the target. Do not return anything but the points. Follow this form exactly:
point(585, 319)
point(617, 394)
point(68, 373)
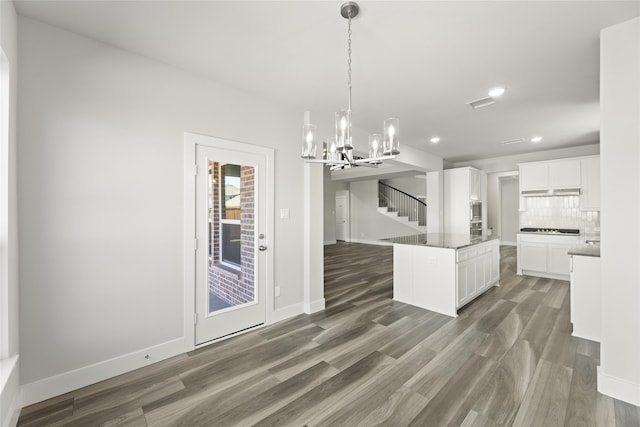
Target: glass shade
point(391, 136)
point(309, 144)
point(332, 150)
point(343, 130)
point(375, 146)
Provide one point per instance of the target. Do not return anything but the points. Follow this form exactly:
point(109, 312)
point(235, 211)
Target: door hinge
point(195, 169)
point(195, 244)
point(195, 318)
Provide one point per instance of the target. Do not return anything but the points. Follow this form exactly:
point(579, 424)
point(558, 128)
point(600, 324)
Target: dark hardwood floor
point(507, 359)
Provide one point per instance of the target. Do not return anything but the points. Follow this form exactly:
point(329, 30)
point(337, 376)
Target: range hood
point(551, 192)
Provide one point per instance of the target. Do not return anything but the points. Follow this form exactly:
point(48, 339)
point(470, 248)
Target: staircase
point(402, 207)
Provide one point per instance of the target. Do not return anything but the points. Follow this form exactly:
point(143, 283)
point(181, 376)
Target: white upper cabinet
point(475, 185)
point(461, 186)
point(554, 174)
point(564, 174)
point(534, 176)
point(590, 197)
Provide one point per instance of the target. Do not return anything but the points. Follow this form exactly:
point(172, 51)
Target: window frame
point(223, 221)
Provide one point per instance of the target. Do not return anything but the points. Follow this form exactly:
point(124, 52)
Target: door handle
point(262, 248)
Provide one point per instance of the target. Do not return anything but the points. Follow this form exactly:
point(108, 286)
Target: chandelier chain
point(349, 60)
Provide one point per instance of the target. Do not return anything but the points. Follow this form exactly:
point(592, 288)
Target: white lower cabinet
point(585, 297)
point(478, 268)
point(545, 255)
point(444, 279)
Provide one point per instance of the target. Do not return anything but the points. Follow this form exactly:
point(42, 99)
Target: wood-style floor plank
point(508, 359)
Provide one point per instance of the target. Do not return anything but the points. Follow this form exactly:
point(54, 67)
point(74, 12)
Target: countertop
point(441, 240)
point(585, 249)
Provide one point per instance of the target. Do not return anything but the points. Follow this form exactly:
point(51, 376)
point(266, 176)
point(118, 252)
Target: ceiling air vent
point(513, 141)
point(482, 102)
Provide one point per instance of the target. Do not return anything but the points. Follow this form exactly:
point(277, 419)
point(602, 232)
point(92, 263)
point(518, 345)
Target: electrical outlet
point(277, 289)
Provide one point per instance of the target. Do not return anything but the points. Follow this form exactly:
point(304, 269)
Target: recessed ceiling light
point(435, 140)
point(536, 139)
point(496, 91)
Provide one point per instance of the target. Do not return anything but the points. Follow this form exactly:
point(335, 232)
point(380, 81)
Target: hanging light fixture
point(339, 149)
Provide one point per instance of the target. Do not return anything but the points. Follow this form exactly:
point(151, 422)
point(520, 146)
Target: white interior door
point(342, 217)
point(230, 258)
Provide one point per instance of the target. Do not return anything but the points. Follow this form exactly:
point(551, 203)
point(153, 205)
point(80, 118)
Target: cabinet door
point(472, 286)
point(479, 276)
point(488, 274)
point(475, 191)
point(461, 272)
point(533, 256)
point(590, 170)
point(564, 174)
point(495, 263)
point(558, 259)
point(534, 176)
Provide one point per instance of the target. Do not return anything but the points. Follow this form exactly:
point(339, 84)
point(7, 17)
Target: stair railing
point(403, 203)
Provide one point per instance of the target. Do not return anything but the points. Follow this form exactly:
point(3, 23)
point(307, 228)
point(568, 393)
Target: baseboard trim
point(505, 243)
point(330, 242)
point(56, 385)
point(372, 242)
point(287, 312)
point(10, 394)
point(314, 306)
point(618, 388)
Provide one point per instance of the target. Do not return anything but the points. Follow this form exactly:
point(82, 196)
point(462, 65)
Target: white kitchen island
point(443, 272)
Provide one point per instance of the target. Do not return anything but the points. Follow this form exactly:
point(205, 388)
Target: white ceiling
point(419, 61)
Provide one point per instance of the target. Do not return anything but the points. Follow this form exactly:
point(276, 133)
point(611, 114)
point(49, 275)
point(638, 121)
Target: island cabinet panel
point(402, 272)
point(445, 276)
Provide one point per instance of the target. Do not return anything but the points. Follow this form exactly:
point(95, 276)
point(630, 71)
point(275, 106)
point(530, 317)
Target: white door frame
point(191, 141)
point(347, 195)
point(497, 227)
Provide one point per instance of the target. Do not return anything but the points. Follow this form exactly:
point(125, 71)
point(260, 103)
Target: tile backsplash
point(558, 212)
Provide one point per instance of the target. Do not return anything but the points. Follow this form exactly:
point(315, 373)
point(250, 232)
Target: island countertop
point(441, 240)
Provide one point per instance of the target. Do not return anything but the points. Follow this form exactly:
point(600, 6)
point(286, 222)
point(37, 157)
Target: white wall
point(101, 196)
point(619, 372)
point(367, 224)
point(9, 304)
point(510, 163)
point(509, 200)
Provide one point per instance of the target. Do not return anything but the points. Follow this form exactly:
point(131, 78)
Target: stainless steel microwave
point(475, 210)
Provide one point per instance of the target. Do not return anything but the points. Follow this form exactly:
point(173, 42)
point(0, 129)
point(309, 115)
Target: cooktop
point(550, 230)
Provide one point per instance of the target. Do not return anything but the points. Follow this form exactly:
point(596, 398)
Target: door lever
point(262, 248)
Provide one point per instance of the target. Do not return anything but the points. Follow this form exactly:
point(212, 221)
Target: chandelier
point(338, 152)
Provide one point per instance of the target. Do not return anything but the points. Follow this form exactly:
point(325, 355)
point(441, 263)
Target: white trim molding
point(10, 394)
point(372, 242)
point(314, 306)
point(287, 312)
point(618, 388)
point(65, 382)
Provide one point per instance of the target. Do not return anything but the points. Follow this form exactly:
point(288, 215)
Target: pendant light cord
point(349, 60)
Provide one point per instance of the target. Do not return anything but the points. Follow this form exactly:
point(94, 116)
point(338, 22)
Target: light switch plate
point(284, 213)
